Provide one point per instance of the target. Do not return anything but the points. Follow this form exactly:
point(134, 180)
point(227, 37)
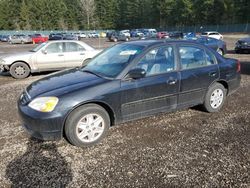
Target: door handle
point(171, 82)
point(60, 55)
point(82, 53)
point(212, 74)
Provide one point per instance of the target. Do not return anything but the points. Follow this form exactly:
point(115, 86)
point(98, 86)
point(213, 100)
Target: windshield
point(112, 61)
point(38, 47)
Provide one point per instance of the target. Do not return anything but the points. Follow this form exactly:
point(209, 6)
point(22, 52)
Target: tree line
point(119, 14)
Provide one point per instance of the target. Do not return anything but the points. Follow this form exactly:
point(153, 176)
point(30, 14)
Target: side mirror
point(44, 52)
point(85, 62)
point(136, 73)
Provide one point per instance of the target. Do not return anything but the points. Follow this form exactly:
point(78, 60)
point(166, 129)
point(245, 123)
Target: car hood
point(63, 82)
point(10, 58)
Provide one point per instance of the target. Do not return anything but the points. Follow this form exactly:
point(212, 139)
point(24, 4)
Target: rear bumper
point(234, 85)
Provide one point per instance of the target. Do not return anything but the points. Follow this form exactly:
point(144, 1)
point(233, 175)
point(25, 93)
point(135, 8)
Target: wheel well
point(109, 110)
point(105, 106)
point(20, 62)
point(224, 84)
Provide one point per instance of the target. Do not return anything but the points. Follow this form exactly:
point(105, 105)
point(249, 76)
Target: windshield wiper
point(91, 72)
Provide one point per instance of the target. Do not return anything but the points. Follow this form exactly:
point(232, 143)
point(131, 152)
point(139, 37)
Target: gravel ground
point(188, 148)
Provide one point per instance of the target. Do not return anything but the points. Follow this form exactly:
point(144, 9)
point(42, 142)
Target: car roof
point(152, 42)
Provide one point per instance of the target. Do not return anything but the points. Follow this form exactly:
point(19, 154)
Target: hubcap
point(216, 98)
point(20, 70)
point(90, 128)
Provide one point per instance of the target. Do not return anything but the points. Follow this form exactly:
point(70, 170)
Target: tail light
point(238, 66)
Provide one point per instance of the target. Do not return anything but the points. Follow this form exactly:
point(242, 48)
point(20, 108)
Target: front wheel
point(19, 70)
point(215, 98)
point(87, 125)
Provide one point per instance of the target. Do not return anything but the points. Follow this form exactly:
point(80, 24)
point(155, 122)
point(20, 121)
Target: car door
point(74, 54)
point(50, 57)
point(199, 70)
point(157, 91)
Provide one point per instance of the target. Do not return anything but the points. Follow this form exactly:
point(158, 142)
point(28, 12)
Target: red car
point(162, 34)
point(38, 38)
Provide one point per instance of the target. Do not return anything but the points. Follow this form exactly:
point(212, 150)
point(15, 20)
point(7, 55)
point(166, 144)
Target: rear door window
point(73, 47)
point(194, 57)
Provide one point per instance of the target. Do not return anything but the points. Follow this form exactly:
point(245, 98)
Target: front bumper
point(44, 126)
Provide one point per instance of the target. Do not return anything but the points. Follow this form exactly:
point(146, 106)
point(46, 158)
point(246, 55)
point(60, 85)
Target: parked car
point(93, 35)
point(20, 39)
point(126, 33)
point(38, 38)
point(176, 35)
point(213, 34)
point(127, 81)
point(118, 36)
point(5, 38)
point(189, 35)
point(83, 35)
point(162, 35)
point(217, 45)
point(243, 45)
point(52, 55)
point(136, 33)
point(150, 33)
point(56, 36)
point(71, 37)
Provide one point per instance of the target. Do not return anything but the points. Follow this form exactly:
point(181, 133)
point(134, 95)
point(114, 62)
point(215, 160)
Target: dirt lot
point(188, 148)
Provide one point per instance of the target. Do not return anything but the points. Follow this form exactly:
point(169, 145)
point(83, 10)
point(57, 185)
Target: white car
point(52, 55)
point(93, 35)
point(213, 34)
point(83, 35)
point(126, 33)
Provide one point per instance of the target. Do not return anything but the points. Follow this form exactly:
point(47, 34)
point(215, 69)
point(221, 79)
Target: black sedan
point(243, 45)
point(125, 82)
point(217, 45)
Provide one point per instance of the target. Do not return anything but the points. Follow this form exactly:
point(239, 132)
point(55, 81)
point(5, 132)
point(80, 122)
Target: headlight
point(2, 61)
point(44, 104)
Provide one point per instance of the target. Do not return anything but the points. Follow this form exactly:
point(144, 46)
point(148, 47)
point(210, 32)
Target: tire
point(19, 70)
point(83, 134)
point(127, 39)
point(220, 51)
point(22, 42)
point(115, 40)
point(215, 98)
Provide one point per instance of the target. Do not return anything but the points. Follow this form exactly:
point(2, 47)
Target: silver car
point(20, 39)
point(53, 55)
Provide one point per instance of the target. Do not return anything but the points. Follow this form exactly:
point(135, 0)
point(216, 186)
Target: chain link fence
point(235, 28)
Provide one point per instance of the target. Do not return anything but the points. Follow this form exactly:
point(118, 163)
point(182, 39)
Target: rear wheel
point(19, 70)
point(87, 125)
point(215, 98)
